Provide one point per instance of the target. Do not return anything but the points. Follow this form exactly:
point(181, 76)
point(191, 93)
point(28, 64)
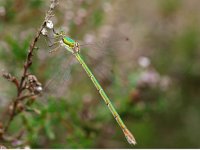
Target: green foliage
point(97, 17)
point(10, 12)
point(18, 50)
point(169, 7)
point(35, 3)
point(160, 117)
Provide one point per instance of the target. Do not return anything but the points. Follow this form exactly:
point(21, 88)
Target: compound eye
point(77, 47)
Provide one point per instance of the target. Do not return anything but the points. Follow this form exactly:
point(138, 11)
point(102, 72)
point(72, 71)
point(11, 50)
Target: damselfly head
point(76, 47)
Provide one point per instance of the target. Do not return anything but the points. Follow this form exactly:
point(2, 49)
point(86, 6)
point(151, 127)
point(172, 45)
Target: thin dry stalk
point(21, 84)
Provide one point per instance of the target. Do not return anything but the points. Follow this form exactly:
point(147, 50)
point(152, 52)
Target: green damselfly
point(73, 47)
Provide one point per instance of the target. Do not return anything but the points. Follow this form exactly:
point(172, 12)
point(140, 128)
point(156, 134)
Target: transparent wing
point(106, 55)
point(102, 56)
point(55, 72)
point(58, 83)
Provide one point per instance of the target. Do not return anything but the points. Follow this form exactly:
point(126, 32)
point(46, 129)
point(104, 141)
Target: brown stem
point(11, 78)
point(27, 65)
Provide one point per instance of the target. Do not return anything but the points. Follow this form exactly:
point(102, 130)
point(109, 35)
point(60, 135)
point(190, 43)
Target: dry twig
point(22, 83)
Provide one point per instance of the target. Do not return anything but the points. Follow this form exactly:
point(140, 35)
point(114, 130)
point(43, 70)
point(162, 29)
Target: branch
point(28, 62)
point(11, 78)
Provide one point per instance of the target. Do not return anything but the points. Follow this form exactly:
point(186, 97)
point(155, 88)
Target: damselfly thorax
point(75, 46)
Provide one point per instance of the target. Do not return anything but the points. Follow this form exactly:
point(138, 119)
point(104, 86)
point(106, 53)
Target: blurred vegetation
point(153, 80)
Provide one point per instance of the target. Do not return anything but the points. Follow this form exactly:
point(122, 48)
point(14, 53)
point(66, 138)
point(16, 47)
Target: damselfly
point(73, 48)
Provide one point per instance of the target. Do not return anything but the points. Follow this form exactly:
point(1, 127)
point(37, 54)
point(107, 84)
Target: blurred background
point(152, 79)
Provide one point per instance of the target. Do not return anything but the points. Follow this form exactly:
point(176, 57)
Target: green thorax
point(68, 41)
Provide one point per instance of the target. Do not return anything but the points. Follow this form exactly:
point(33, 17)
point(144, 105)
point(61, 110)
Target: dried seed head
point(44, 31)
point(38, 89)
point(7, 75)
point(53, 4)
point(33, 84)
point(49, 24)
point(20, 107)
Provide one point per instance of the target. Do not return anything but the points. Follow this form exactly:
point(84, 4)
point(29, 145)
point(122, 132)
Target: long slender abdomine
point(127, 133)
